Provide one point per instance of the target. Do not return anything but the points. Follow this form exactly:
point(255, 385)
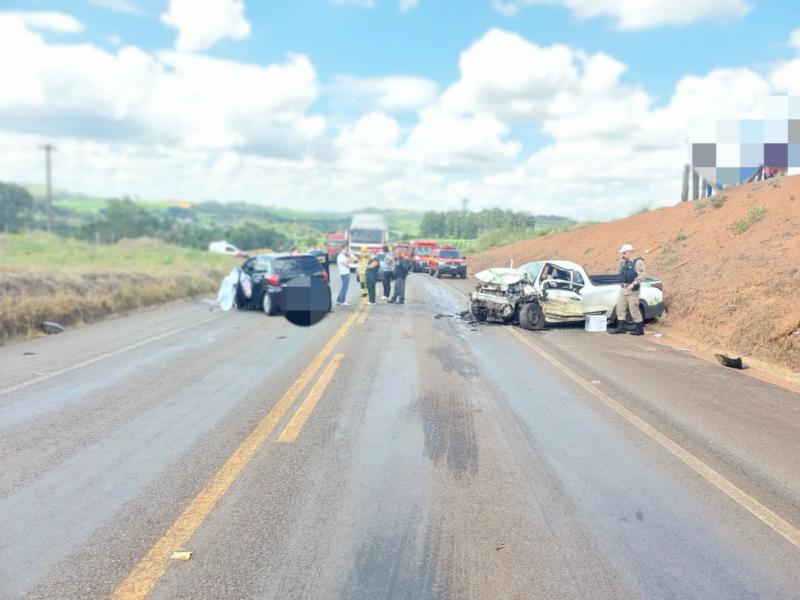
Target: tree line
point(124, 218)
point(469, 225)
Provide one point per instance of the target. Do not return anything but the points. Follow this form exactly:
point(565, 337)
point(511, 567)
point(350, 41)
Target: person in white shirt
point(343, 264)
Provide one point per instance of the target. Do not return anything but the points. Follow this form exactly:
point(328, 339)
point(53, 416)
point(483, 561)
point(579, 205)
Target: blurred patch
point(306, 300)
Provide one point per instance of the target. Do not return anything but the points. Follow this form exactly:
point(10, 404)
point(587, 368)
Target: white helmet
point(626, 248)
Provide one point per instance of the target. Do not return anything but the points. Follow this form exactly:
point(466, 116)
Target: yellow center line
point(295, 425)
point(152, 566)
point(742, 498)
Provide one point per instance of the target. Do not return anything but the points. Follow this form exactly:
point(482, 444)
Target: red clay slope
point(737, 291)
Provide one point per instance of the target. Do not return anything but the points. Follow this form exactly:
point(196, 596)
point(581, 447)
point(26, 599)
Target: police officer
point(632, 272)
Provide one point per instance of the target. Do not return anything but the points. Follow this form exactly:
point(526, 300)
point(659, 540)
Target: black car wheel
point(268, 305)
point(531, 317)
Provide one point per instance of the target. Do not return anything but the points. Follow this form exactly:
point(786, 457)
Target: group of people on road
point(372, 269)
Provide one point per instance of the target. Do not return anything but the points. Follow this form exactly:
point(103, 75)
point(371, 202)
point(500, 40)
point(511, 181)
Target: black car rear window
point(449, 254)
point(295, 264)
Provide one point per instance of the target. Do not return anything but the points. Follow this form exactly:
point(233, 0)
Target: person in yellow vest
point(363, 259)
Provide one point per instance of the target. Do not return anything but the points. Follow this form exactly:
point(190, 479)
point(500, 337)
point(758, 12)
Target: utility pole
point(48, 150)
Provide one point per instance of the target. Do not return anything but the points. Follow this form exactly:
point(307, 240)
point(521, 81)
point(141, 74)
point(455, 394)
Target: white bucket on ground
point(595, 322)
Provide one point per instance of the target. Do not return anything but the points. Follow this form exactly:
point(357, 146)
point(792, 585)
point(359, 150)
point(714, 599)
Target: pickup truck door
point(563, 295)
point(599, 299)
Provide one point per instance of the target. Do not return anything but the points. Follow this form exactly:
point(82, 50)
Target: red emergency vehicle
point(421, 251)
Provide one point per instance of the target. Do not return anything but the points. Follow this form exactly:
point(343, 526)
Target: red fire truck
point(334, 242)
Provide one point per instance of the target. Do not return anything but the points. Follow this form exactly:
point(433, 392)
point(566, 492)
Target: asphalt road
point(388, 452)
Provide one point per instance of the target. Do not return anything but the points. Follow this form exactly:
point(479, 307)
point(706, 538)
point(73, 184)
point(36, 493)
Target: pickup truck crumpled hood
point(501, 276)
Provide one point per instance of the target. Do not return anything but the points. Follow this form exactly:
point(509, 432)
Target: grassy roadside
point(47, 278)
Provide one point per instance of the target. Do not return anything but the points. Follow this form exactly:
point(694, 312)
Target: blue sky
point(331, 113)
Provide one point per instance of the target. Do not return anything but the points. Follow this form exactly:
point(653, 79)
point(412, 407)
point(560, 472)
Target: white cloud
point(175, 124)
point(639, 14)
point(794, 39)
point(406, 5)
point(44, 20)
point(200, 25)
point(386, 93)
point(123, 6)
point(507, 75)
point(169, 98)
point(446, 141)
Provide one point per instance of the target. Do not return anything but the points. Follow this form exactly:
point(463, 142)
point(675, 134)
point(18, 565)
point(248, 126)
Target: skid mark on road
point(453, 359)
point(753, 506)
point(449, 429)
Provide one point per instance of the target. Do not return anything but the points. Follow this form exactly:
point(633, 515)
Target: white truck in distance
point(368, 230)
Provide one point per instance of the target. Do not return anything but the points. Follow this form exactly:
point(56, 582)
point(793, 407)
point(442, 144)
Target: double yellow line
point(152, 566)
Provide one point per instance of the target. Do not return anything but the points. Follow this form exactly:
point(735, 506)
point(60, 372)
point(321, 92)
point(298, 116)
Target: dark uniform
point(632, 272)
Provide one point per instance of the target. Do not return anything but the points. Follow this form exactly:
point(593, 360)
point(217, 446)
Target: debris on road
point(444, 316)
point(733, 363)
point(28, 353)
point(181, 555)
point(50, 328)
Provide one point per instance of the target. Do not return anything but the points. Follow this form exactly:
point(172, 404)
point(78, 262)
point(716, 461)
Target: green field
point(39, 250)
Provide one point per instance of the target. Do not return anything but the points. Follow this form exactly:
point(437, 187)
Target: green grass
point(741, 225)
point(42, 251)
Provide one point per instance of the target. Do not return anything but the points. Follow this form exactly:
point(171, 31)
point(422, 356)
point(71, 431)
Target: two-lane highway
point(386, 453)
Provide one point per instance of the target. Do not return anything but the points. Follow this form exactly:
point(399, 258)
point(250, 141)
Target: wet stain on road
point(449, 431)
point(453, 360)
point(399, 566)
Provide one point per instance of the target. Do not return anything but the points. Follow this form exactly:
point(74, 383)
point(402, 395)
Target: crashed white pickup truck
point(554, 291)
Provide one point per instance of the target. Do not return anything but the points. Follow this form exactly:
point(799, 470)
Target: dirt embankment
point(730, 265)
point(28, 297)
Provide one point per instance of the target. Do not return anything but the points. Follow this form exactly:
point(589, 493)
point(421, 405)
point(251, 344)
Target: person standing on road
point(401, 268)
point(387, 271)
point(343, 264)
point(632, 272)
point(371, 276)
point(363, 258)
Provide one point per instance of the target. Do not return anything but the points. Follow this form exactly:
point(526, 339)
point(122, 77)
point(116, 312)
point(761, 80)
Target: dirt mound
point(730, 265)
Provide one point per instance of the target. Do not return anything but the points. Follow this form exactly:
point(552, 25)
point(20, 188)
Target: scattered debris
point(28, 353)
point(444, 316)
point(733, 363)
point(50, 328)
point(658, 335)
point(500, 546)
point(281, 337)
point(181, 555)
point(596, 381)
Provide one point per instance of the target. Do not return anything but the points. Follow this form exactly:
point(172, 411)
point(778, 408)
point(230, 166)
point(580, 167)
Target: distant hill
point(75, 208)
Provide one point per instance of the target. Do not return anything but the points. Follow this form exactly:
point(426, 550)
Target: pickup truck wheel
point(480, 313)
point(438, 274)
point(531, 317)
point(464, 274)
point(268, 305)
